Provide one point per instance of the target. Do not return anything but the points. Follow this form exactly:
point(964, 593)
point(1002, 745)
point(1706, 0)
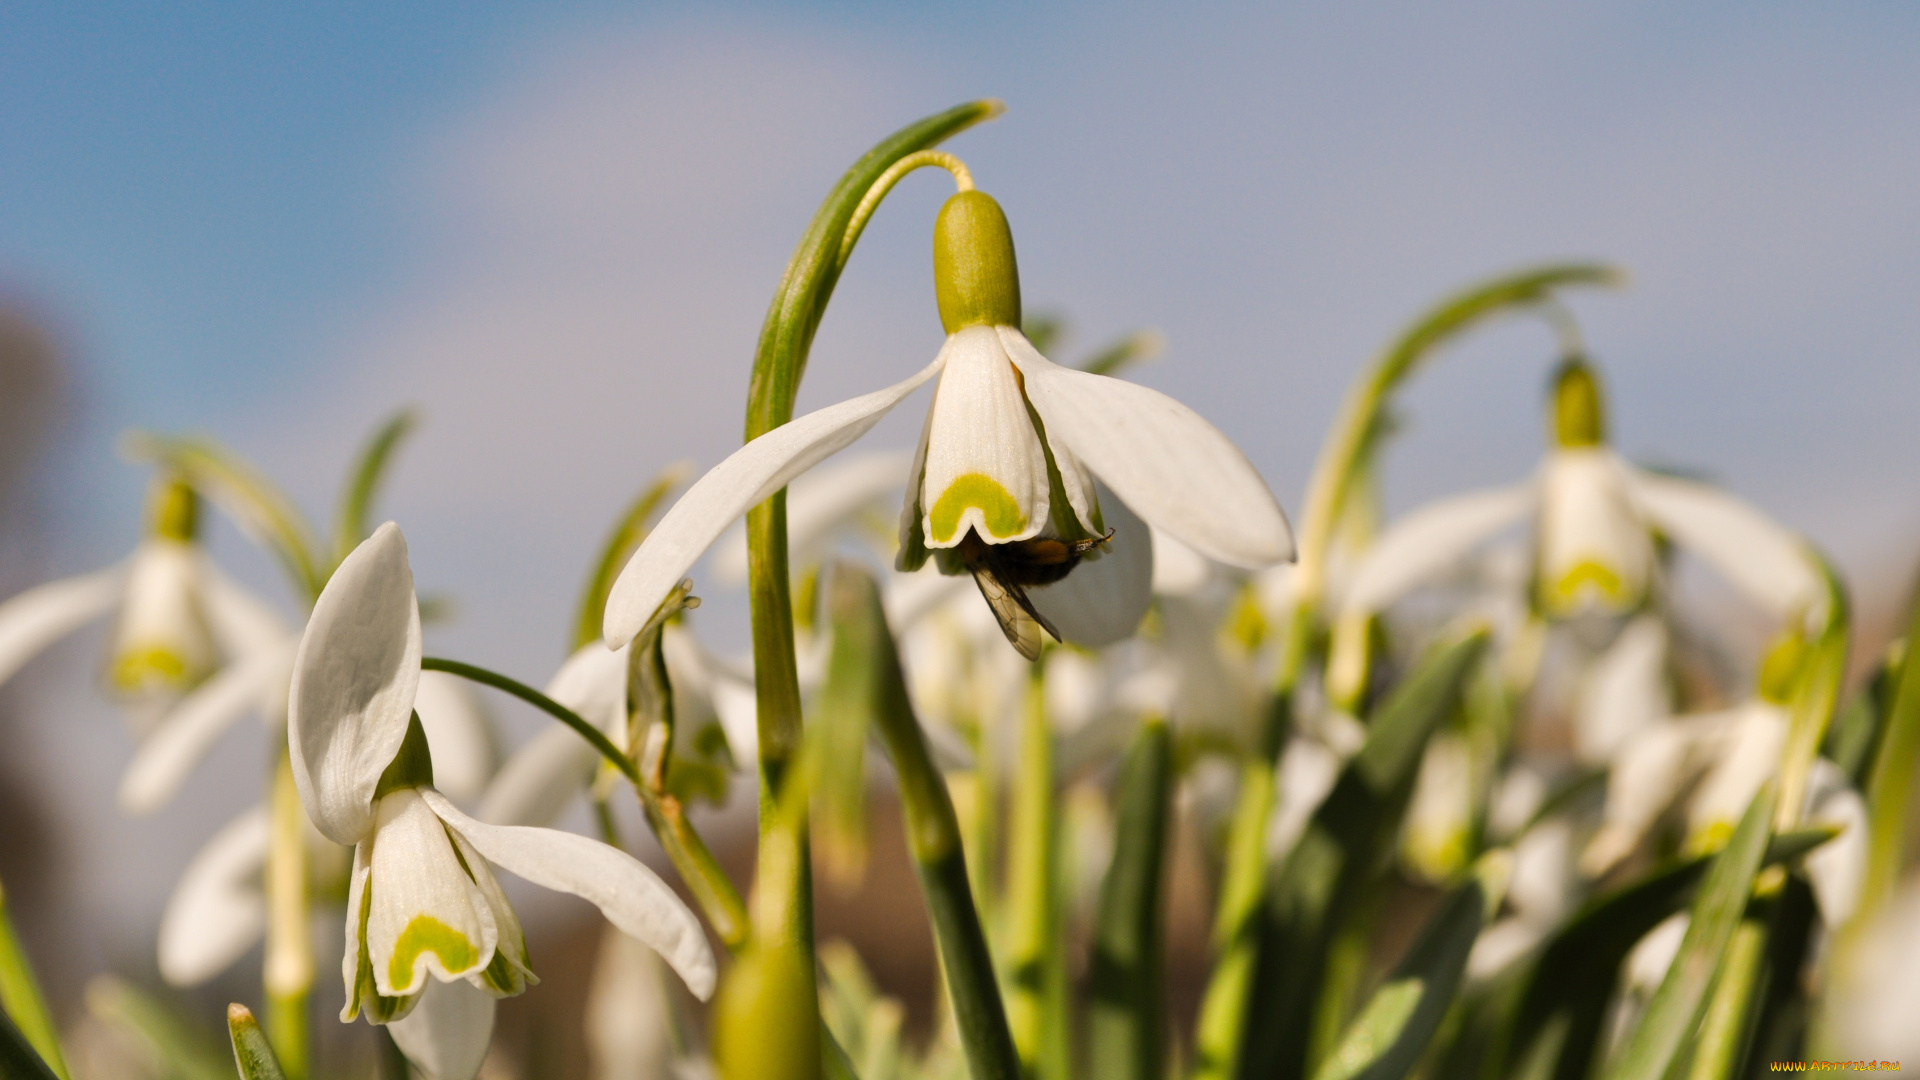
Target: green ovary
point(428, 934)
point(1003, 516)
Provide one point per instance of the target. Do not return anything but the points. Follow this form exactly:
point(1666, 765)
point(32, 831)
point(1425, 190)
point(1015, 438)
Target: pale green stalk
point(1126, 1021)
point(1816, 693)
point(1722, 1042)
point(1890, 787)
point(1035, 963)
point(252, 1052)
point(20, 996)
point(288, 975)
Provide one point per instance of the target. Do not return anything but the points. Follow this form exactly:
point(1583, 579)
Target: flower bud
point(174, 511)
point(1579, 414)
point(975, 277)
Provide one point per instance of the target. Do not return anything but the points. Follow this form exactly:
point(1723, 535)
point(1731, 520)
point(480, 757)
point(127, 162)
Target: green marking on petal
point(428, 934)
point(1584, 574)
point(138, 667)
point(1003, 516)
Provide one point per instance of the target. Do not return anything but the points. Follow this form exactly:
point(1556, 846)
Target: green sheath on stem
point(20, 996)
point(1126, 1037)
point(251, 1051)
point(1036, 959)
point(783, 867)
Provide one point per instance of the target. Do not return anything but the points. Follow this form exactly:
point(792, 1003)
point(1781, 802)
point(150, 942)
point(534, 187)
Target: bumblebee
point(1004, 571)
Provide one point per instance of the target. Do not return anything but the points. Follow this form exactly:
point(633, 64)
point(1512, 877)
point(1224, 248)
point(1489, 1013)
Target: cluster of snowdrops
point(1471, 791)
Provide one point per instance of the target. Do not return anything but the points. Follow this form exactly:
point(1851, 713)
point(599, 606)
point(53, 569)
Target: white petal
point(510, 939)
point(1541, 888)
point(1173, 468)
point(1837, 869)
point(1647, 964)
point(1431, 540)
point(821, 506)
point(985, 469)
point(217, 910)
point(161, 644)
point(353, 684)
point(540, 780)
point(458, 734)
point(1763, 560)
point(241, 621)
point(1869, 1004)
point(1178, 570)
point(427, 916)
point(628, 1014)
point(1595, 551)
point(1643, 780)
point(631, 896)
point(746, 479)
point(44, 614)
point(447, 1034)
point(1441, 810)
point(183, 736)
point(1626, 691)
point(593, 683)
point(1752, 754)
point(356, 945)
point(1103, 600)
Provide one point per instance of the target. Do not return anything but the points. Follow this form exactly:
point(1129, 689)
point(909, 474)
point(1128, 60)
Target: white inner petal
point(985, 469)
point(428, 915)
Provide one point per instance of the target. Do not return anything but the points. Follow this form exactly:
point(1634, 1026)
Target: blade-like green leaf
point(842, 717)
point(20, 996)
point(350, 527)
point(18, 1059)
point(1126, 1037)
point(1890, 789)
point(1388, 1037)
point(1136, 347)
point(933, 835)
point(1675, 1011)
point(1314, 892)
point(250, 1050)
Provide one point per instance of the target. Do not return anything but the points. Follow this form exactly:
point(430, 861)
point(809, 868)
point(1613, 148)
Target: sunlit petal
point(354, 681)
point(540, 780)
point(43, 615)
point(985, 469)
point(821, 506)
point(217, 911)
point(1595, 552)
point(1430, 541)
point(736, 485)
point(631, 896)
point(1172, 467)
point(1837, 869)
point(1625, 692)
point(161, 644)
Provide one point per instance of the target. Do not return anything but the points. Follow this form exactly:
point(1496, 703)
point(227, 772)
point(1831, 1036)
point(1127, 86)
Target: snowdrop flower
point(1003, 483)
point(422, 901)
point(1594, 518)
point(175, 618)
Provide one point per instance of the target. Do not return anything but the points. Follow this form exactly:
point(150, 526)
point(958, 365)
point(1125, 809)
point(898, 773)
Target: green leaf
point(1136, 347)
point(933, 835)
point(18, 1059)
point(1388, 1037)
point(250, 1049)
point(262, 510)
point(1890, 790)
point(20, 997)
point(1677, 1006)
point(843, 715)
point(1318, 889)
point(1126, 1036)
point(188, 1052)
point(350, 527)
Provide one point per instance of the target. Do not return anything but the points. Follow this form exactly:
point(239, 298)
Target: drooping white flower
point(422, 902)
point(175, 618)
point(1008, 458)
point(1594, 520)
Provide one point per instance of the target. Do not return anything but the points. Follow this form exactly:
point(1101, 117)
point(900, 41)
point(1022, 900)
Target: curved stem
point(538, 700)
point(962, 179)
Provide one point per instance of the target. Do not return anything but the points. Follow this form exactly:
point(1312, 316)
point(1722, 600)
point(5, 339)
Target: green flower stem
point(252, 1051)
point(1722, 1042)
point(933, 833)
point(779, 362)
point(288, 978)
point(1236, 928)
point(1890, 785)
point(1036, 971)
point(1126, 1037)
point(21, 998)
point(350, 527)
point(626, 537)
point(711, 888)
point(1816, 693)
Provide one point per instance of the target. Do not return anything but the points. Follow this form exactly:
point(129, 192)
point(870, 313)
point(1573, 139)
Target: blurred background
point(554, 228)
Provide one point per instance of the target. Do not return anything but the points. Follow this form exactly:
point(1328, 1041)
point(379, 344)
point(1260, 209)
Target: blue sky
point(555, 228)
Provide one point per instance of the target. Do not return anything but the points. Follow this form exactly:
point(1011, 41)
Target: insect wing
point(1010, 606)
